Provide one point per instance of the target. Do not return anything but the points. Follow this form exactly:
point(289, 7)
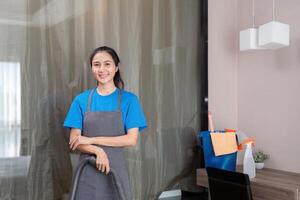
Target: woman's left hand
point(78, 141)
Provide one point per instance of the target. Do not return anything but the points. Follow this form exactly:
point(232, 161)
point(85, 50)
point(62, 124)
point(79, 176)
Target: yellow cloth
point(224, 143)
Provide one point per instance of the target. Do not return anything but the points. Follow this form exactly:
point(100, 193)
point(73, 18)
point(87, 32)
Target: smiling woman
point(101, 118)
point(161, 50)
point(105, 66)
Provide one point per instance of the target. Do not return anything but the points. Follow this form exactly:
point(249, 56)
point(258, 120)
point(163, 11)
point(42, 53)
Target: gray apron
point(94, 184)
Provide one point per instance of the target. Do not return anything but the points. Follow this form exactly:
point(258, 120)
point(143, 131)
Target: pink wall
point(264, 85)
point(222, 62)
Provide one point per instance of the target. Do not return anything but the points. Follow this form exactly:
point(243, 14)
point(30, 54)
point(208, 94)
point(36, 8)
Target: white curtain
point(13, 165)
point(158, 43)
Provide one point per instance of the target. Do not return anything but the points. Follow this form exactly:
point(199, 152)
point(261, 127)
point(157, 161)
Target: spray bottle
point(249, 164)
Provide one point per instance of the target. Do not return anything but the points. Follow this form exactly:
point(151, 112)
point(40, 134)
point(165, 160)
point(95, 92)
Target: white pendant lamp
point(274, 35)
point(249, 37)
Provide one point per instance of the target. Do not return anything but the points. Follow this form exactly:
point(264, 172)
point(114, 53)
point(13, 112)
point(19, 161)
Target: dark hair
point(119, 83)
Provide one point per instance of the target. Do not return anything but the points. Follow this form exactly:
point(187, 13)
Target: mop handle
point(92, 161)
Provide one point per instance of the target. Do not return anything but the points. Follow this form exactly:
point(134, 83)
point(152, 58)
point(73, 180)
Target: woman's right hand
point(102, 162)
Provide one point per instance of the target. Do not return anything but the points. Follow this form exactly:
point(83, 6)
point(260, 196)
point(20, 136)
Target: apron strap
point(119, 100)
point(90, 100)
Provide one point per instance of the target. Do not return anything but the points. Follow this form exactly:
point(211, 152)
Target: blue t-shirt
point(132, 113)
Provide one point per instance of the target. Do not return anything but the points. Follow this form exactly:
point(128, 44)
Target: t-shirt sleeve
point(135, 117)
point(74, 117)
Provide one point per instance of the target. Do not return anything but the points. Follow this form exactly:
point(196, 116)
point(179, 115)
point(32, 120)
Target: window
point(10, 109)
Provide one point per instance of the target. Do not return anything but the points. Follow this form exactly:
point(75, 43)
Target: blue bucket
point(226, 162)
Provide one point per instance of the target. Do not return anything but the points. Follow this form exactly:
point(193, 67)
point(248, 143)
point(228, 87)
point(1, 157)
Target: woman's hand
point(102, 162)
point(78, 140)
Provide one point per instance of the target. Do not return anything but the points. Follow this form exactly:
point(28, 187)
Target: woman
point(103, 121)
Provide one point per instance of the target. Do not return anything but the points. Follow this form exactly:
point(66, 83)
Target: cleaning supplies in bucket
point(219, 147)
point(226, 161)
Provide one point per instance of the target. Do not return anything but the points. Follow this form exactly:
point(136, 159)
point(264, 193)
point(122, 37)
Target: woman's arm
point(102, 162)
point(85, 148)
point(128, 140)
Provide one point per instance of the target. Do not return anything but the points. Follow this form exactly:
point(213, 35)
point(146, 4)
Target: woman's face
point(104, 68)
